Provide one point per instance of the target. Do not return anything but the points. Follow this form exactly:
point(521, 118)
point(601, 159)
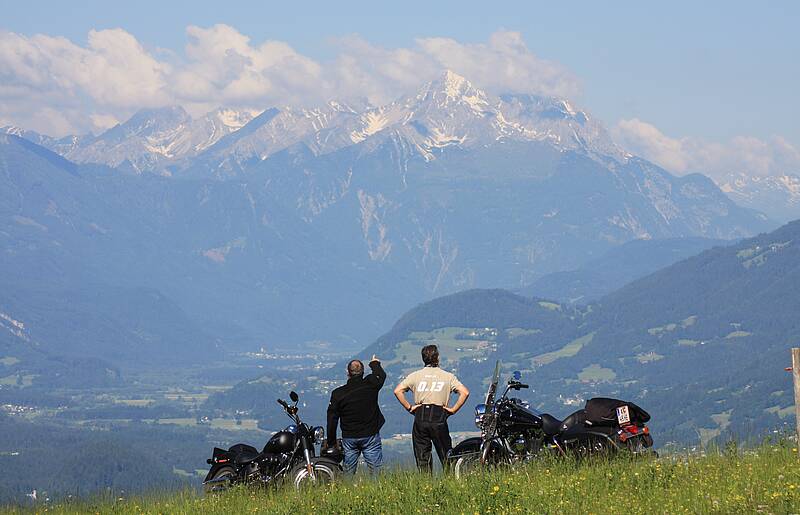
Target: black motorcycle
point(512, 431)
point(288, 456)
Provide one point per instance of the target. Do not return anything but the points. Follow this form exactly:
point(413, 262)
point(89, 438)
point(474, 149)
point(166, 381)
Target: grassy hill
point(765, 480)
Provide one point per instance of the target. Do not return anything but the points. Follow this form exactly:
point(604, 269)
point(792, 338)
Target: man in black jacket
point(356, 405)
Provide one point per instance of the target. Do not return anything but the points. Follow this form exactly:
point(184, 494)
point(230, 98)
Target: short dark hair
point(355, 368)
point(430, 355)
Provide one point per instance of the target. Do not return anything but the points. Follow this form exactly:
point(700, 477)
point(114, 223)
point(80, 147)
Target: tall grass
point(765, 479)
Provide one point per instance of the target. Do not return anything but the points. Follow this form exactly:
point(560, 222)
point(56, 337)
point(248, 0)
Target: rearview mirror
point(293, 396)
point(517, 375)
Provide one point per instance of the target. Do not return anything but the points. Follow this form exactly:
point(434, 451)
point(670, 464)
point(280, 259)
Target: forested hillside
point(616, 268)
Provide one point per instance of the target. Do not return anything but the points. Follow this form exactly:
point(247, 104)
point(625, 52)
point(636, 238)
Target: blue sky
point(706, 71)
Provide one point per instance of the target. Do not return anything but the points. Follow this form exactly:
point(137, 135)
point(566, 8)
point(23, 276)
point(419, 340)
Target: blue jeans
point(369, 446)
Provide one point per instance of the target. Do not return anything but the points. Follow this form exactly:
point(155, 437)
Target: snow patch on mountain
point(439, 138)
point(373, 228)
point(234, 119)
point(15, 327)
point(374, 122)
point(776, 195)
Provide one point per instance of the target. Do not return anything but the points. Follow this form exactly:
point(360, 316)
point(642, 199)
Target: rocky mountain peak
point(150, 121)
point(451, 89)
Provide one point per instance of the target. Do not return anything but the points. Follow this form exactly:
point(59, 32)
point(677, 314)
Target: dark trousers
point(430, 427)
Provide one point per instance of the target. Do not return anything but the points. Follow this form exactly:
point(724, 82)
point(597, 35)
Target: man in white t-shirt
point(432, 387)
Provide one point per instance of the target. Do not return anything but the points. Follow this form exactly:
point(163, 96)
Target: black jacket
point(356, 405)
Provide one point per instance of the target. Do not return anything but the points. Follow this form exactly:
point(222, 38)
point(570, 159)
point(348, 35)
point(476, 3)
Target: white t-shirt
point(431, 385)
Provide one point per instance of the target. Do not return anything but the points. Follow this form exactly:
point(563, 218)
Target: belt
point(430, 413)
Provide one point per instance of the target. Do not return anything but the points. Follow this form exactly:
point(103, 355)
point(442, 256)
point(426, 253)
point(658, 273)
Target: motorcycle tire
point(636, 446)
point(593, 448)
point(466, 465)
point(220, 481)
point(641, 447)
point(325, 472)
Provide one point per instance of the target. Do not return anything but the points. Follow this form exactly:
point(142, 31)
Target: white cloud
point(55, 86)
point(222, 66)
point(742, 154)
point(503, 64)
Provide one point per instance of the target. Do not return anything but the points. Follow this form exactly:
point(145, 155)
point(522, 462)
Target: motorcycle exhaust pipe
point(211, 483)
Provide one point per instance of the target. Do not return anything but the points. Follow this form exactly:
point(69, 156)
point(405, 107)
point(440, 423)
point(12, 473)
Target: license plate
point(623, 415)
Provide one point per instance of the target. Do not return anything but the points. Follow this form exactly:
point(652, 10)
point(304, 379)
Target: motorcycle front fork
point(309, 464)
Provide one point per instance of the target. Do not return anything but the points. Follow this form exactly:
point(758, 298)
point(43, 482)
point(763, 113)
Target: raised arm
point(378, 375)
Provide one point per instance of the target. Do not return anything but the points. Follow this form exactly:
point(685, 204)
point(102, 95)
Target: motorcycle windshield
point(493, 385)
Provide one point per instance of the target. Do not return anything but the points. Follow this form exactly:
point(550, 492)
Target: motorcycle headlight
point(319, 434)
point(480, 411)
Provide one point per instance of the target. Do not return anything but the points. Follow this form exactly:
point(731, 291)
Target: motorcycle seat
point(550, 424)
point(243, 453)
point(245, 457)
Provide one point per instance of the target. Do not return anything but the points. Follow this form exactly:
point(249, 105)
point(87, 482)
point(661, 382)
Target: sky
point(695, 86)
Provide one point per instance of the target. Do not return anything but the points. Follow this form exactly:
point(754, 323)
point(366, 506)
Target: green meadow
point(765, 479)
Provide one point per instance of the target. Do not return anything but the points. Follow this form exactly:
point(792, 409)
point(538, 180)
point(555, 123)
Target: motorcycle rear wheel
point(594, 447)
point(324, 473)
point(220, 481)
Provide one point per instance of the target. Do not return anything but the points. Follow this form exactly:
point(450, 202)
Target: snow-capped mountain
point(446, 112)
point(301, 214)
point(776, 195)
point(270, 132)
point(149, 140)
point(451, 111)
point(141, 143)
point(61, 146)
point(556, 120)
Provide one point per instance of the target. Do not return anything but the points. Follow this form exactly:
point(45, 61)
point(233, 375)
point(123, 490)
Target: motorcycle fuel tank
point(282, 441)
point(519, 418)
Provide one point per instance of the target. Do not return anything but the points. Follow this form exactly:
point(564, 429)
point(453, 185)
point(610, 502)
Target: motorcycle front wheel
point(324, 473)
point(470, 463)
point(466, 465)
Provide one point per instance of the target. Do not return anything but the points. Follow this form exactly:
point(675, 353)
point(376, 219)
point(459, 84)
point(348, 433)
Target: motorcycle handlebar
point(283, 403)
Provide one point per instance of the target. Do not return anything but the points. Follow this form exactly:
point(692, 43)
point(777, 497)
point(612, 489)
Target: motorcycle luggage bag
point(601, 411)
point(577, 419)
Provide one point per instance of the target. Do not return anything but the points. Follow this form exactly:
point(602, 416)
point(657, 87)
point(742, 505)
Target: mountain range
point(778, 196)
point(294, 225)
